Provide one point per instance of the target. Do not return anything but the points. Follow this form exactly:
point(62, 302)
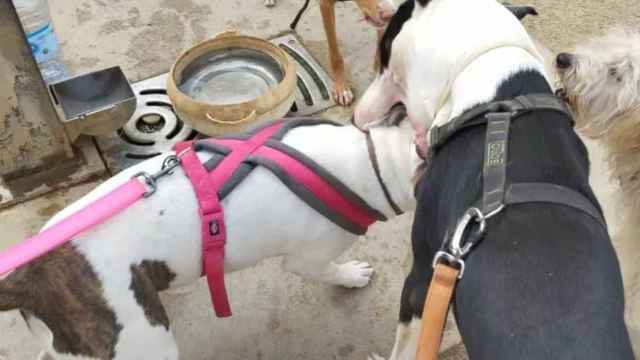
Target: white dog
point(601, 81)
point(96, 298)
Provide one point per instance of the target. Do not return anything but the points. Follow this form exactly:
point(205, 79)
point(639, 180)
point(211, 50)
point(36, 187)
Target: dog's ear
point(402, 15)
point(521, 11)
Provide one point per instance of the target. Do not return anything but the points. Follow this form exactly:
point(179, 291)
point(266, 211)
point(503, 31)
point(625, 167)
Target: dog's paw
point(342, 94)
point(355, 274)
point(375, 357)
point(386, 10)
point(269, 3)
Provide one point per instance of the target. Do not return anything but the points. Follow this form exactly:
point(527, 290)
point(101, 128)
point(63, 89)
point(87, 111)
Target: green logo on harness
point(495, 153)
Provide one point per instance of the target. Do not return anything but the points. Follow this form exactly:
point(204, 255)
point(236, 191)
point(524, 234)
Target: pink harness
point(208, 184)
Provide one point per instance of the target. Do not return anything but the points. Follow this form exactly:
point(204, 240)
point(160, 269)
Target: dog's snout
point(564, 60)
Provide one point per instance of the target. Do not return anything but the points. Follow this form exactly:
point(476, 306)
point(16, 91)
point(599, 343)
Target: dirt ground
point(561, 24)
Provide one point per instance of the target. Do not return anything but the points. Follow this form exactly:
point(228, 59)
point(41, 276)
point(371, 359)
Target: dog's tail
point(295, 21)
point(11, 293)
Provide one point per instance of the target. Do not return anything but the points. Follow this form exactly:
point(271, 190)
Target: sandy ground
point(278, 316)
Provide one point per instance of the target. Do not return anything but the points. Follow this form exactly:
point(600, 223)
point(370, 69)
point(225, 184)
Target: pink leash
point(65, 230)
point(311, 181)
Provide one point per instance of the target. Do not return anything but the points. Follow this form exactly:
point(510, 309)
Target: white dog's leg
point(406, 343)
point(269, 3)
point(350, 274)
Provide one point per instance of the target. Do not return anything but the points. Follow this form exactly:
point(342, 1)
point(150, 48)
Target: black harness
point(497, 116)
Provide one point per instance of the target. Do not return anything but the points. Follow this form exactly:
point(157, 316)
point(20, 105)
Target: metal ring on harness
point(169, 163)
point(457, 251)
point(455, 246)
point(494, 212)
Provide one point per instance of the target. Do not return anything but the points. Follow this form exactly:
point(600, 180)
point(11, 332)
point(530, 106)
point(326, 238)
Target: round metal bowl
point(231, 84)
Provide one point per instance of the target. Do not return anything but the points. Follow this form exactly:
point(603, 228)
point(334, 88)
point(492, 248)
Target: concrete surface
point(277, 315)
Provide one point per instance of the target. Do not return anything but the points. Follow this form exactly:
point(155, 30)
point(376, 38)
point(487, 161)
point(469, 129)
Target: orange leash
point(436, 309)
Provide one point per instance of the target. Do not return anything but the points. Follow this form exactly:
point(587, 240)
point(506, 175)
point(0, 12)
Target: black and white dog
point(544, 283)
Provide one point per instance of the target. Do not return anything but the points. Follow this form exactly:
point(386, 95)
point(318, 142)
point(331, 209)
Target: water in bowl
point(230, 76)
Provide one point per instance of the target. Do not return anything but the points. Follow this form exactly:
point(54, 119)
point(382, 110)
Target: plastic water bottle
point(37, 24)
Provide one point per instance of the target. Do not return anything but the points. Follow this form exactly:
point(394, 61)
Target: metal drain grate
point(314, 84)
point(154, 127)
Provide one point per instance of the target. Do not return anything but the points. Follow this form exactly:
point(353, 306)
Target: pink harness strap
point(65, 230)
point(206, 186)
point(305, 176)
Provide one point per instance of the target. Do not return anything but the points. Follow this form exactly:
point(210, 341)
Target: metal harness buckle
point(443, 255)
point(458, 250)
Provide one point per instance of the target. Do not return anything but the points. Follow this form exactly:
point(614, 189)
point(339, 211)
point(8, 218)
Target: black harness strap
point(376, 169)
point(497, 116)
point(328, 177)
point(494, 174)
point(494, 196)
point(521, 193)
point(517, 107)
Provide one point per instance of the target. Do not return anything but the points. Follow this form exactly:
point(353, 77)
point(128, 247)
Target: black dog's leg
point(414, 291)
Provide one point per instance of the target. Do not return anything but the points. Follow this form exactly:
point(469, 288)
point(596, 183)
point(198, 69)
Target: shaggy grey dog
point(600, 79)
point(601, 82)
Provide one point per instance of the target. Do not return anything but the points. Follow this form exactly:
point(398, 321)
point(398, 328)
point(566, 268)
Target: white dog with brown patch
point(96, 297)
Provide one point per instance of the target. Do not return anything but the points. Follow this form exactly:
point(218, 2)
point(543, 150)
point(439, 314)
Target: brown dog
point(376, 13)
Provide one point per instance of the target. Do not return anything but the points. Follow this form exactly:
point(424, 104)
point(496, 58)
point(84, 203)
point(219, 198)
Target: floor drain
point(314, 84)
point(154, 127)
